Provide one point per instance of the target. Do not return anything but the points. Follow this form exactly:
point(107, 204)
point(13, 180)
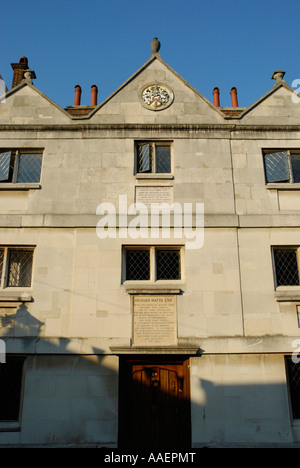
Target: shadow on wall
point(244, 413)
point(69, 398)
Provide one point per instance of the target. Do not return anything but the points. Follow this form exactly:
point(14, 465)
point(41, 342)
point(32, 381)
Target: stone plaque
point(154, 320)
point(154, 194)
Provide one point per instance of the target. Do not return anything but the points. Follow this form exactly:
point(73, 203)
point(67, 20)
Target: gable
point(277, 107)
point(126, 105)
point(27, 105)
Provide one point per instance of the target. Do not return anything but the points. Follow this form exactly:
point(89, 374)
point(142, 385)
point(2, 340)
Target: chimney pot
point(94, 94)
point(234, 99)
point(216, 95)
point(77, 96)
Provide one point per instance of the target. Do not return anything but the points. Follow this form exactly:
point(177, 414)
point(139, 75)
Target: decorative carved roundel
point(157, 96)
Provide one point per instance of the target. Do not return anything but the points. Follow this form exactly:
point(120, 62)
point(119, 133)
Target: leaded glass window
point(282, 166)
point(20, 167)
point(20, 268)
point(137, 265)
point(16, 267)
point(153, 158)
point(152, 263)
point(168, 264)
point(286, 267)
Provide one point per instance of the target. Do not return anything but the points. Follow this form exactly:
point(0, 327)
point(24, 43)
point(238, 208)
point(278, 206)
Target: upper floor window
point(152, 263)
point(20, 167)
point(15, 267)
point(282, 166)
point(153, 158)
point(286, 261)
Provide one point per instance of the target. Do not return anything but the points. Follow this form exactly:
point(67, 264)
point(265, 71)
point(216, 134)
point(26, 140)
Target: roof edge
point(154, 56)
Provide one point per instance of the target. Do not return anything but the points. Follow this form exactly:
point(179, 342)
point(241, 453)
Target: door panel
point(154, 404)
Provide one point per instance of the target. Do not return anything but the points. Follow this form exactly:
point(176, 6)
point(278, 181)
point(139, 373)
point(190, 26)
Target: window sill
point(132, 287)
point(155, 176)
point(283, 186)
point(10, 426)
point(287, 294)
point(11, 186)
point(16, 296)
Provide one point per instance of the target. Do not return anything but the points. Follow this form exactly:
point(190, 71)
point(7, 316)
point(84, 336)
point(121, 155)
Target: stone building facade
point(116, 335)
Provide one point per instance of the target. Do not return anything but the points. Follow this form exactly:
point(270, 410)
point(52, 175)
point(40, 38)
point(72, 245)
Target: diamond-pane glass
point(20, 268)
point(30, 166)
point(163, 159)
point(293, 372)
point(144, 162)
point(295, 158)
point(138, 265)
point(10, 388)
point(168, 264)
point(5, 159)
point(276, 166)
point(286, 267)
point(1, 263)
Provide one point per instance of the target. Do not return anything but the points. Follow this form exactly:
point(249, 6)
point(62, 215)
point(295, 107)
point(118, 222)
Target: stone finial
point(278, 75)
point(29, 75)
point(155, 45)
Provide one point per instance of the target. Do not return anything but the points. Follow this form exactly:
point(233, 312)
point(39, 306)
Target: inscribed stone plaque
point(154, 320)
point(154, 194)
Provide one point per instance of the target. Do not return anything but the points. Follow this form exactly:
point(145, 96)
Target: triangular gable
point(25, 104)
point(125, 105)
point(280, 105)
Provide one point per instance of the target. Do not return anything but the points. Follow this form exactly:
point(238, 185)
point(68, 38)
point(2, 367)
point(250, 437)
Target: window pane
point(163, 159)
point(1, 263)
point(168, 264)
point(137, 265)
point(276, 166)
point(10, 388)
point(5, 159)
point(144, 158)
point(286, 267)
point(29, 168)
point(20, 268)
point(296, 167)
point(293, 372)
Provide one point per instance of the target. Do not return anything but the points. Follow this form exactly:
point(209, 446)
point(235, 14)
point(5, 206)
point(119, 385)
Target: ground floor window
point(11, 376)
point(293, 376)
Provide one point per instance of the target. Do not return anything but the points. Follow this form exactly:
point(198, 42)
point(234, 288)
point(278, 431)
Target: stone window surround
point(152, 283)
point(286, 293)
point(14, 184)
point(19, 293)
point(153, 175)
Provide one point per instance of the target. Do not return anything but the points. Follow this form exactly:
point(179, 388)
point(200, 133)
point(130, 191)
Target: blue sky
point(209, 43)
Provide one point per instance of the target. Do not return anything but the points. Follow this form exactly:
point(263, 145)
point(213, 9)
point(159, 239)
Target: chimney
point(234, 99)
point(77, 97)
point(19, 69)
point(216, 95)
point(94, 94)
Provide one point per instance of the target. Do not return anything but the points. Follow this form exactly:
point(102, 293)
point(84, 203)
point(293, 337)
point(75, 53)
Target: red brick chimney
point(19, 69)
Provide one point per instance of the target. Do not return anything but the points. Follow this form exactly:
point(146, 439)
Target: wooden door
point(154, 404)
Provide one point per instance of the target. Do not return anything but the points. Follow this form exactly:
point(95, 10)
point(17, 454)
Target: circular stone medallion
point(156, 96)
